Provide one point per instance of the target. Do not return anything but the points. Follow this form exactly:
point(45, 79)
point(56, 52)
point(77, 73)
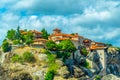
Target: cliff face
point(36, 70)
point(113, 61)
point(18, 71)
point(13, 71)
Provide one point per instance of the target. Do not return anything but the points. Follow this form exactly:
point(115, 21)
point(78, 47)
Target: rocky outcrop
point(78, 73)
point(38, 75)
point(113, 63)
point(63, 71)
point(22, 76)
point(110, 77)
point(42, 57)
point(4, 74)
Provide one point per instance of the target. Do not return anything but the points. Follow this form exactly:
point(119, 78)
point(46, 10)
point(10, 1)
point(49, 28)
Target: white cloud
point(112, 34)
point(98, 20)
point(23, 4)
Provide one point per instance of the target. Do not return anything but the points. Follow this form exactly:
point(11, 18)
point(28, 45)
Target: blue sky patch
point(94, 19)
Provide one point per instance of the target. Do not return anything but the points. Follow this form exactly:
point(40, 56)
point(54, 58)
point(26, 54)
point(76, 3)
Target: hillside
point(31, 71)
point(35, 55)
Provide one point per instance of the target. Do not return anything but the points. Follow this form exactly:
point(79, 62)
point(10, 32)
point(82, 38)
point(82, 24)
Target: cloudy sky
point(98, 20)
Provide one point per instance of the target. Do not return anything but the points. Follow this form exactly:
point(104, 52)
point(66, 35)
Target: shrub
point(16, 58)
point(86, 64)
point(65, 55)
point(49, 75)
point(84, 51)
point(97, 77)
point(51, 58)
point(29, 41)
point(6, 46)
point(28, 57)
point(46, 52)
point(16, 42)
point(59, 54)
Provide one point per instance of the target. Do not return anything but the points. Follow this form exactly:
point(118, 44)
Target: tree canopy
point(44, 33)
point(6, 46)
point(11, 34)
point(51, 45)
point(67, 46)
point(18, 34)
point(29, 37)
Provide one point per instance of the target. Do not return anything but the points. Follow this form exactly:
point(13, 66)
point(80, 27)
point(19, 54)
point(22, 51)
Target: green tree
point(51, 45)
point(97, 77)
point(29, 37)
point(67, 46)
point(44, 33)
point(108, 44)
point(23, 38)
point(11, 34)
point(6, 46)
point(18, 34)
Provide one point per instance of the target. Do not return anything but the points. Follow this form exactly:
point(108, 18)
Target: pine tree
point(44, 33)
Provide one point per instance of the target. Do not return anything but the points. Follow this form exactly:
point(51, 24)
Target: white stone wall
point(102, 55)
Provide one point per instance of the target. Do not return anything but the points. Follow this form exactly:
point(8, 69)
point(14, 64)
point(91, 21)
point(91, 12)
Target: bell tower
point(56, 31)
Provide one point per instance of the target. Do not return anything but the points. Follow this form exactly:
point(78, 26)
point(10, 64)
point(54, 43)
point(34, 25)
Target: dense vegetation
point(51, 45)
point(26, 57)
point(6, 46)
point(11, 34)
point(17, 58)
point(63, 49)
point(52, 65)
point(17, 38)
point(29, 38)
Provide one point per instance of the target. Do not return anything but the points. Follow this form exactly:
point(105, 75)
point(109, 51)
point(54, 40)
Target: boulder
point(22, 76)
point(78, 72)
point(42, 57)
point(60, 63)
point(63, 71)
point(39, 75)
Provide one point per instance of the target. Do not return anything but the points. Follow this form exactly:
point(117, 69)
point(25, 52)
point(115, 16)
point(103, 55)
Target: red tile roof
point(24, 33)
point(97, 45)
point(65, 35)
point(56, 29)
point(36, 32)
point(87, 41)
